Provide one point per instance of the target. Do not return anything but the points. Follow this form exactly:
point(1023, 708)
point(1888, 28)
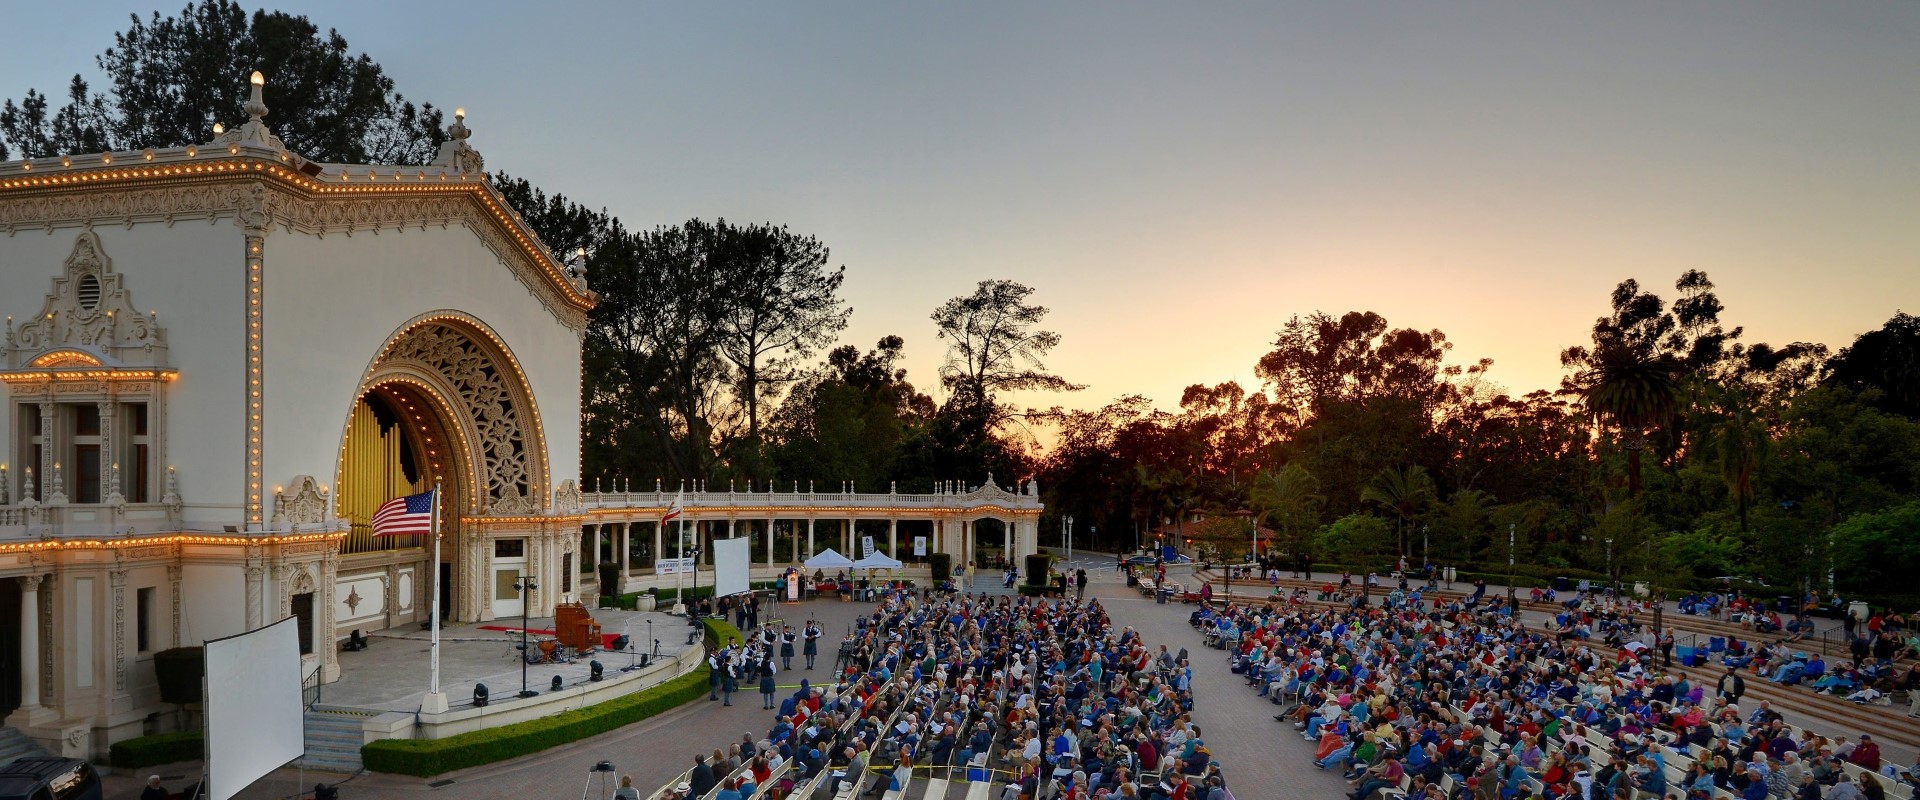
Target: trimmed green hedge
point(165, 748)
point(429, 757)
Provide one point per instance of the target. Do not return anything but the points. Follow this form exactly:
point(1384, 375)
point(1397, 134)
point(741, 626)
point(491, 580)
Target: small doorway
point(509, 563)
point(303, 616)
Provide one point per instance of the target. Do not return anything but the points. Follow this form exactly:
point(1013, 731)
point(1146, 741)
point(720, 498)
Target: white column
point(769, 541)
point(108, 454)
point(1009, 531)
point(893, 537)
point(809, 550)
point(254, 574)
point(30, 641)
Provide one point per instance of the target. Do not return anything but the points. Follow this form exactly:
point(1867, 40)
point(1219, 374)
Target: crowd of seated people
point(1444, 700)
point(1049, 696)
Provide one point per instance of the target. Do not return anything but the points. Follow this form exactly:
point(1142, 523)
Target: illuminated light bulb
point(257, 79)
point(219, 129)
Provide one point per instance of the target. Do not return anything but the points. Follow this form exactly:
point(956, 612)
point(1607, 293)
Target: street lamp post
point(525, 586)
point(1069, 538)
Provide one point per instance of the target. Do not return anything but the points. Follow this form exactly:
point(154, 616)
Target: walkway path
point(1262, 758)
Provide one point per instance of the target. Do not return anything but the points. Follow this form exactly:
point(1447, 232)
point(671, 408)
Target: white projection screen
point(730, 561)
point(254, 722)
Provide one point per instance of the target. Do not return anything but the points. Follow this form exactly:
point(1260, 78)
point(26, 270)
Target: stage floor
point(392, 673)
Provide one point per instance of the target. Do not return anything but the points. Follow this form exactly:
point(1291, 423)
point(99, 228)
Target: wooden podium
point(575, 628)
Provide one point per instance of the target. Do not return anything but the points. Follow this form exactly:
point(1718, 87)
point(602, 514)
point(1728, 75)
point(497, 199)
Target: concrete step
point(15, 745)
point(333, 741)
point(1831, 715)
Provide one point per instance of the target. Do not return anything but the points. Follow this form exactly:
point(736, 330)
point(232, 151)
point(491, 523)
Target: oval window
point(89, 292)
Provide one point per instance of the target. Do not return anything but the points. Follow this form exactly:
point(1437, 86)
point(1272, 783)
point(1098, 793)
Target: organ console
point(575, 628)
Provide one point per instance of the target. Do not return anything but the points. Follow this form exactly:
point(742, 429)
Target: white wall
point(192, 273)
point(215, 602)
point(333, 302)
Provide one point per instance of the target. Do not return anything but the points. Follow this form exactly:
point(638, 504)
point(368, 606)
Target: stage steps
point(15, 745)
point(334, 740)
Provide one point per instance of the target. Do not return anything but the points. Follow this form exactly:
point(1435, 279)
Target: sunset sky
point(1176, 180)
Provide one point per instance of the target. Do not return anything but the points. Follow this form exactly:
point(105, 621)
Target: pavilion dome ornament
point(88, 322)
point(455, 153)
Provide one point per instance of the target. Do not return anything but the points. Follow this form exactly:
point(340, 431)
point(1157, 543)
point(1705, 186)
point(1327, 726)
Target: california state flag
point(672, 511)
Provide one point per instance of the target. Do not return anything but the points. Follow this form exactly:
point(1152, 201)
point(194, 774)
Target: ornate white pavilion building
point(219, 360)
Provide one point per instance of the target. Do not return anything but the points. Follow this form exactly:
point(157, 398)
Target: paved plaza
point(391, 674)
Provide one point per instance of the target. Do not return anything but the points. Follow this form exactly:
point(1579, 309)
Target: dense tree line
point(1673, 450)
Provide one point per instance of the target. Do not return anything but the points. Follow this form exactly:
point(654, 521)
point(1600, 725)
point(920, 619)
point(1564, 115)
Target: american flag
point(405, 516)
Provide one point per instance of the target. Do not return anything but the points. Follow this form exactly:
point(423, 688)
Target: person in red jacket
point(1866, 754)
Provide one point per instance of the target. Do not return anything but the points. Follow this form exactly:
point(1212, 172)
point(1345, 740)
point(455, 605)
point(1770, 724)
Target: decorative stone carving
point(171, 497)
point(254, 213)
point(566, 497)
point(494, 408)
point(302, 581)
point(306, 504)
point(254, 132)
point(455, 153)
point(57, 488)
point(90, 312)
point(319, 216)
point(117, 579)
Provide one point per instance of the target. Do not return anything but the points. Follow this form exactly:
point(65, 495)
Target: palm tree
point(1633, 387)
point(1406, 492)
point(1740, 441)
point(1289, 500)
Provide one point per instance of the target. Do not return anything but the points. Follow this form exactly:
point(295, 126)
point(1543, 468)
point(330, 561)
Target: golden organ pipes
point(370, 476)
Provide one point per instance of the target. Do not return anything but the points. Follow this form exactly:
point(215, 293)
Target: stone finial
point(171, 497)
point(57, 487)
point(455, 153)
point(114, 496)
point(254, 132)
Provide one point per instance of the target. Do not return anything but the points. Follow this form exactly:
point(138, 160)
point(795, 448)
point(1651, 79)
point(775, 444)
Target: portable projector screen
point(254, 721)
point(730, 561)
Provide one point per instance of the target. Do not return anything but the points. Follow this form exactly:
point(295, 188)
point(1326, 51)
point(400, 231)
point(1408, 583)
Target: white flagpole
point(680, 579)
point(436, 700)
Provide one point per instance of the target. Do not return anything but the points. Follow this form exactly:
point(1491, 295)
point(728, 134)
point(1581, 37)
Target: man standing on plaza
point(1080, 583)
point(813, 633)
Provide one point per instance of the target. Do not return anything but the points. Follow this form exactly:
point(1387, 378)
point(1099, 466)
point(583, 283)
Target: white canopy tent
point(828, 559)
point(878, 560)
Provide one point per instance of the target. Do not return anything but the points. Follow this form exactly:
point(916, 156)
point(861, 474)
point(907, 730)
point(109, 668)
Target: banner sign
point(866, 547)
point(673, 566)
point(793, 586)
point(920, 546)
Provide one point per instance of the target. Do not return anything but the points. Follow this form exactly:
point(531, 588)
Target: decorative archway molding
point(484, 396)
